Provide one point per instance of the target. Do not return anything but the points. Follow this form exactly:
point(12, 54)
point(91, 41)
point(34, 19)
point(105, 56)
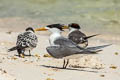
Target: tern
point(25, 41)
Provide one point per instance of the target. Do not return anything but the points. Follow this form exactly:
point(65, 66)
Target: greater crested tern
point(25, 41)
point(77, 36)
point(65, 48)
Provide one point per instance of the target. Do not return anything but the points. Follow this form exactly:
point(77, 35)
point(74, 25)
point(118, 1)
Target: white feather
point(72, 29)
point(56, 33)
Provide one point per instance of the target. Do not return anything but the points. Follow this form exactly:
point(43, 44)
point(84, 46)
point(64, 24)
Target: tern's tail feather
point(98, 47)
point(95, 50)
point(90, 52)
point(12, 49)
point(91, 36)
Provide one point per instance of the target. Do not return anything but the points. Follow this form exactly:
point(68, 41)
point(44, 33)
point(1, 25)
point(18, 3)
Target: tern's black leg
point(86, 43)
point(21, 52)
point(66, 63)
point(29, 53)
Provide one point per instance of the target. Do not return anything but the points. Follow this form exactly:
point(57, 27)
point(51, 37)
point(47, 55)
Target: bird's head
point(74, 26)
point(30, 29)
point(52, 28)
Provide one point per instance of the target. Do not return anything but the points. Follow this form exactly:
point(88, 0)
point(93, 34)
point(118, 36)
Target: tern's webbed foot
point(21, 55)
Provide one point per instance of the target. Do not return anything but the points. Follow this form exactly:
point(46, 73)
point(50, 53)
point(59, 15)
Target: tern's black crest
point(30, 28)
point(59, 26)
point(74, 25)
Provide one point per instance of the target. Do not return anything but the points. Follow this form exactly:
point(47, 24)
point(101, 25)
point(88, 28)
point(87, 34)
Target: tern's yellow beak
point(41, 29)
point(65, 27)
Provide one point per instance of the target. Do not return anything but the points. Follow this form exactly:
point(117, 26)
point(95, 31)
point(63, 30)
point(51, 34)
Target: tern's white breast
point(53, 37)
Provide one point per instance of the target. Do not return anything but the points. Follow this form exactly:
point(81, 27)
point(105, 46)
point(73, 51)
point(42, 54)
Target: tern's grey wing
point(66, 42)
point(27, 39)
point(77, 37)
point(62, 51)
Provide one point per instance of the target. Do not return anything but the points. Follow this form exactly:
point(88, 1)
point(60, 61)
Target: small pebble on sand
point(47, 55)
point(9, 32)
point(102, 75)
point(113, 67)
point(116, 53)
point(37, 55)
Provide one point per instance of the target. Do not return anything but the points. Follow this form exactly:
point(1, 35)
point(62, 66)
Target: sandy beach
point(102, 66)
point(93, 16)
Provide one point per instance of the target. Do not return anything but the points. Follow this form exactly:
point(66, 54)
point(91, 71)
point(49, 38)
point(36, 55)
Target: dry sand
point(102, 66)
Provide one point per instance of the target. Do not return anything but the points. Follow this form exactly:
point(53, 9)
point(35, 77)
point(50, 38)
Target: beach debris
point(37, 55)
point(116, 53)
point(113, 67)
point(47, 55)
point(3, 58)
point(49, 79)
point(3, 71)
point(14, 58)
point(5, 76)
point(102, 75)
point(9, 32)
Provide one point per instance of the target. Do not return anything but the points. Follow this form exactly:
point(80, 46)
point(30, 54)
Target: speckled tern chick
point(25, 41)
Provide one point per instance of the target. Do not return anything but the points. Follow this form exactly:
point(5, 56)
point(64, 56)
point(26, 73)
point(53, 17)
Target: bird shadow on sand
point(68, 69)
point(25, 55)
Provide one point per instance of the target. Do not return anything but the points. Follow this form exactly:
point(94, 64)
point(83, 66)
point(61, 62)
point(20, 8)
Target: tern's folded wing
point(63, 51)
point(27, 39)
point(66, 42)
